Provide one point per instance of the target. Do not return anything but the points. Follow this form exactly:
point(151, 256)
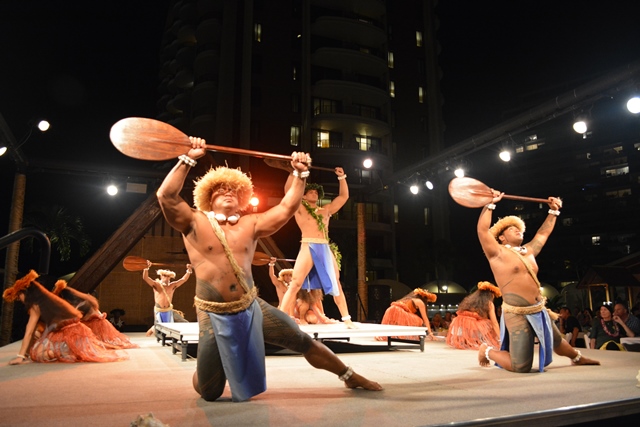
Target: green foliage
point(61, 227)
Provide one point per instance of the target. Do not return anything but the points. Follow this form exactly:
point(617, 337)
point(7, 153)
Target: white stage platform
point(179, 335)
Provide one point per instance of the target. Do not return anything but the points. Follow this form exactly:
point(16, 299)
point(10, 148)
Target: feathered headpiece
point(283, 272)
point(59, 286)
point(235, 179)
point(11, 294)
point(166, 273)
point(487, 286)
point(505, 223)
point(425, 294)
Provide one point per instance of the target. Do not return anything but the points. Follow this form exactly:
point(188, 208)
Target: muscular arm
point(176, 210)
point(147, 279)
point(490, 245)
point(184, 278)
point(272, 220)
point(343, 195)
point(543, 233)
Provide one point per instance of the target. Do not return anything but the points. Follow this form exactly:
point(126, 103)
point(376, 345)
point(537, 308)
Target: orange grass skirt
point(468, 331)
point(107, 333)
point(72, 341)
point(397, 315)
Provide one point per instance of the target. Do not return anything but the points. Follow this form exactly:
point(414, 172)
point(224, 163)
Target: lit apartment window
point(392, 89)
point(295, 136)
point(595, 240)
point(257, 32)
point(395, 213)
point(420, 94)
point(364, 142)
point(390, 59)
point(323, 139)
point(616, 171)
point(419, 38)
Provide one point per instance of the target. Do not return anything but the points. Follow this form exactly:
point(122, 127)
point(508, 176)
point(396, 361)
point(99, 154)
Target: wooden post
point(362, 265)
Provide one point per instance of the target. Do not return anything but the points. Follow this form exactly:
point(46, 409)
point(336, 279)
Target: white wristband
point(490, 206)
point(301, 175)
point(22, 356)
point(340, 178)
point(552, 212)
point(187, 160)
point(345, 318)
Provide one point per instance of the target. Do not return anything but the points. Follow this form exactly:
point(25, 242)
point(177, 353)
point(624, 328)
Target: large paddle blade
point(472, 193)
point(136, 263)
point(148, 139)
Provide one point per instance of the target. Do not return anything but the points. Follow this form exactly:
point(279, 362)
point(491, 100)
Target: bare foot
point(482, 359)
point(150, 331)
point(586, 361)
point(359, 381)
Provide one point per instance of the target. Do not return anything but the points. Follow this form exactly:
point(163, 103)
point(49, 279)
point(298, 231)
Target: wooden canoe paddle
point(260, 258)
point(472, 193)
point(136, 263)
point(149, 139)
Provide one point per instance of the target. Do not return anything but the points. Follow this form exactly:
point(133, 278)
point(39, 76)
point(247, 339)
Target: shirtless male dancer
point(234, 323)
point(524, 315)
point(316, 266)
point(163, 290)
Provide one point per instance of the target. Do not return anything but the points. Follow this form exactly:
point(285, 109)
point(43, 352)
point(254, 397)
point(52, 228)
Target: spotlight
point(254, 201)
point(633, 105)
point(414, 189)
point(505, 155)
point(580, 126)
point(3, 150)
point(367, 163)
point(112, 190)
point(459, 173)
point(429, 185)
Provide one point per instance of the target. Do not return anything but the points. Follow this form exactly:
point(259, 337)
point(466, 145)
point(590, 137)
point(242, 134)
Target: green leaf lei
point(321, 226)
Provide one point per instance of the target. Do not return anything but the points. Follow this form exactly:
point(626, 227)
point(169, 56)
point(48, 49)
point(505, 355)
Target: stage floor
point(440, 386)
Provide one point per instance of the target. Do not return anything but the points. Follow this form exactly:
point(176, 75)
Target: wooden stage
point(181, 335)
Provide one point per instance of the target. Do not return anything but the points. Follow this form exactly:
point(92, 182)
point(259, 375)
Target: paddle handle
point(525, 198)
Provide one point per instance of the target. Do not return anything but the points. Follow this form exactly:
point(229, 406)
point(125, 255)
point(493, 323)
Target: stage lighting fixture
point(633, 105)
point(505, 155)
point(429, 185)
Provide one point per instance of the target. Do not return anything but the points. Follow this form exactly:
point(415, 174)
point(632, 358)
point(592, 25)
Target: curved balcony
point(356, 93)
point(356, 61)
point(350, 30)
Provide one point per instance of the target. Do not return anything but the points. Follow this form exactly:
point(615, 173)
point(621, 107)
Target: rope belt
point(313, 240)
point(227, 307)
point(531, 309)
point(163, 310)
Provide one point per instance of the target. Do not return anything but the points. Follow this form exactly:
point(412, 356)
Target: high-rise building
point(344, 80)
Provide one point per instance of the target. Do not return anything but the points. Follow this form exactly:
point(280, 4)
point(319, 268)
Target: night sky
point(85, 65)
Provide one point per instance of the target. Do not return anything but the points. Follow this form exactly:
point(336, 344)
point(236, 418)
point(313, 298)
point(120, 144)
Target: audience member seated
point(569, 326)
point(607, 329)
point(586, 319)
point(437, 322)
point(448, 317)
point(476, 322)
point(621, 310)
point(410, 310)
